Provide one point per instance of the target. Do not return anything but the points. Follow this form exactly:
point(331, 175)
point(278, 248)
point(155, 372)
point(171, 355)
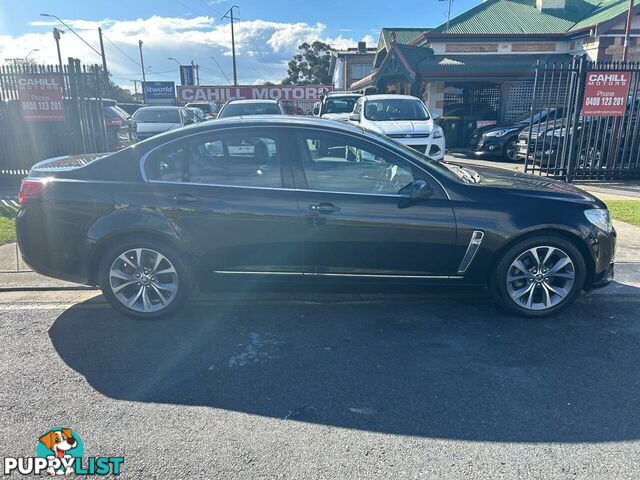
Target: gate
point(598, 143)
point(82, 129)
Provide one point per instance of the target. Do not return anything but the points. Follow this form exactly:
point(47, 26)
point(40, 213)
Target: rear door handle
point(324, 208)
point(185, 198)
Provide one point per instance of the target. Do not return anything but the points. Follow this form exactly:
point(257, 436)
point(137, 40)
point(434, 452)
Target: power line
point(120, 50)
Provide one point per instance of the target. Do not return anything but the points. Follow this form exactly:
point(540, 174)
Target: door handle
point(324, 208)
point(185, 198)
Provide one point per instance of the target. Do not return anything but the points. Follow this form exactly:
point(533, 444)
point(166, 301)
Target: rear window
point(115, 113)
point(152, 115)
point(238, 109)
point(205, 107)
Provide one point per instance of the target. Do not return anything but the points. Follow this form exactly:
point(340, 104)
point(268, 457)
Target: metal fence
point(570, 145)
point(24, 142)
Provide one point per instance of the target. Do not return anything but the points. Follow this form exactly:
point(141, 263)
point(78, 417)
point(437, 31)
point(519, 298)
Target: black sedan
point(302, 199)
point(501, 141)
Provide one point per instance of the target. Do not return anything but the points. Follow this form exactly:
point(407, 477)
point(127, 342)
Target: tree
point(310, 65)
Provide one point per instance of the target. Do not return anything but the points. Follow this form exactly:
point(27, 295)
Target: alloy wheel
point(512, 150)
point(143, 280)
point(540, 277)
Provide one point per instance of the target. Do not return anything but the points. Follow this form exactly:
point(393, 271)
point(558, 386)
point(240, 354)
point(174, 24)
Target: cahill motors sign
point(40, 97)
point(256, 92)
point(605, 93)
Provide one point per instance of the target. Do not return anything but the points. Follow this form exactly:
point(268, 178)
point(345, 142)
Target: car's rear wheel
point(144, 278)
point(539, 276)
point(511, 150)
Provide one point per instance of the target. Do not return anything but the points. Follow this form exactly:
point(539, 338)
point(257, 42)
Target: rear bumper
point(603, 248)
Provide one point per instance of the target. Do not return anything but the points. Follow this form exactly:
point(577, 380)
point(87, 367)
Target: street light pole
point(229, 15)
point(56, 36)
point(144, 78)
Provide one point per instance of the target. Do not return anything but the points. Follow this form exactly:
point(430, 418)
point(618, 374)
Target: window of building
point(361, 70)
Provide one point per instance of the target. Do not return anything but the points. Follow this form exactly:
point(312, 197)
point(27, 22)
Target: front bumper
point(433, 147)
point(487, 146)
point(603, 250)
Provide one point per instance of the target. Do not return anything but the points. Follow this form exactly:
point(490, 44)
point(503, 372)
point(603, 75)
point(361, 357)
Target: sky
point(267, 32)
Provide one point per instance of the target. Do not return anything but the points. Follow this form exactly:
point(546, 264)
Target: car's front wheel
point(144, 278)
point(539, 276)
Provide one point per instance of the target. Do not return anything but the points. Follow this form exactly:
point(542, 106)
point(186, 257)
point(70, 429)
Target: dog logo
point(63, 444)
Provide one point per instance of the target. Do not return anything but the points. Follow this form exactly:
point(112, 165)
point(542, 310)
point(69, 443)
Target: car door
point(227, 193)
point(357, 221)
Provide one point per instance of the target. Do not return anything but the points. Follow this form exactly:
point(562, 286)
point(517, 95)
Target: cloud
point(263, 47)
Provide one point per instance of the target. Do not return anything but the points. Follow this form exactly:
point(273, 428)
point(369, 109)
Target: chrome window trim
point(327, 274)
point(474, 245)
point(143, 159)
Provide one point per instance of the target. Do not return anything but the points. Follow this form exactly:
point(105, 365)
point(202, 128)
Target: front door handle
point(324, 208)
point(185, 198)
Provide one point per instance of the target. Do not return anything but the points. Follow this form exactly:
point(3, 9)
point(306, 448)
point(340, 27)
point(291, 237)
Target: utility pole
point(104, 59)
point(627, 32)
point(229, 15)
point(144, 78)
point(56, 36)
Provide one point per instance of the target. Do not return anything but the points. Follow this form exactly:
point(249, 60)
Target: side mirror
point(418, 191)
point(354, 117)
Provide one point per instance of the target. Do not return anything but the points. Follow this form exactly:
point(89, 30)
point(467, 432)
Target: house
point(351, 65)
point(479, 67)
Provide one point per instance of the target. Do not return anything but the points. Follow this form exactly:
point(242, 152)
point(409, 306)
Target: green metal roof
point(495, 65)
point(605, 11)
point(517, 17)
point(403, 36)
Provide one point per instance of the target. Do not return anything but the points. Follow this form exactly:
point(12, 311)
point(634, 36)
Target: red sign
point(605, 93)
point(222, 93)
point(40, 97)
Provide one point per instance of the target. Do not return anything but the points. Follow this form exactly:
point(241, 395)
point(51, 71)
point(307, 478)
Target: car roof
point(344, 94)
point(248, 100)
point(390, 96)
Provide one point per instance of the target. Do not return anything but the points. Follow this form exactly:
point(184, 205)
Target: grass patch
point(627, 211)
point(7, 224)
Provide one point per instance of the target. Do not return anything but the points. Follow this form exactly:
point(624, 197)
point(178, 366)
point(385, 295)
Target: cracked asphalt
point(332, 386)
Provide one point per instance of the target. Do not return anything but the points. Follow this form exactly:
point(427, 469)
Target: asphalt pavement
point(332, 386)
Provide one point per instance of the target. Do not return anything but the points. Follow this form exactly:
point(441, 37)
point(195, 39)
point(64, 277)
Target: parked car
point(121, 127)
point(338, 105)
point(500, 141)
point(403, 118)
point(196, 114)
point(154, 120)
point(131, 108)
point(296, 198)
point(292, 109)
point(209, 109)
point(236, 108)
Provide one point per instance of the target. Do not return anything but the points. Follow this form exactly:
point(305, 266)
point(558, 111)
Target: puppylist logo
point(60, 451)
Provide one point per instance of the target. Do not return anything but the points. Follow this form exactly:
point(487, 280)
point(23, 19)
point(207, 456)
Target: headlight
point(438, 132)
point(600, 218)
point(499, 133)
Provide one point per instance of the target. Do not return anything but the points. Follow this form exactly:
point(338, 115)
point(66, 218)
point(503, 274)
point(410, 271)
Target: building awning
point(486, 66)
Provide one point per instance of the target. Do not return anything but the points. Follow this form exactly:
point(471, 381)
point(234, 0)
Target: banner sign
point(159, 90)
point(40, 97)
point(222, 93)
point(186, 75)
point(605, 93)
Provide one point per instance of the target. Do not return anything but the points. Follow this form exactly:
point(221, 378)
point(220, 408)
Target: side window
point(166, 163)
point(235, 159)
point(339, 163)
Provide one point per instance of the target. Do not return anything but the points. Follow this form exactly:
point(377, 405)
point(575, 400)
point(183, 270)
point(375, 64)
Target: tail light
point(113, 122)
point(30, 188)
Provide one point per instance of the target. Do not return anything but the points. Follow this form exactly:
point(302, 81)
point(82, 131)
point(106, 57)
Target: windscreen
point(238, 109)
point(156, 115)
point(395, 109)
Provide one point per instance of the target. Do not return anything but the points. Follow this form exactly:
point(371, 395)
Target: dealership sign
point(159, 92)
point(255, 92)
point(40, 97)
point(605, 93)
point(186, 75)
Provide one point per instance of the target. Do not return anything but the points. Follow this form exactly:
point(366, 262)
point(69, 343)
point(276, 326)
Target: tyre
point(511, 151)
point(539, 276)
point(145, 278)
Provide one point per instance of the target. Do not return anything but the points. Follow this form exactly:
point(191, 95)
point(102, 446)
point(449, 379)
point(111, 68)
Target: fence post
point(575, 121)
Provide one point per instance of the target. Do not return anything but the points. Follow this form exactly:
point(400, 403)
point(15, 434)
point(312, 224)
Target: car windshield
point(156, 115)
point(340, 104)
point(465, 175)
point(539, 115)
point(238, 109)
point(395, 109)
point(205, 107)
